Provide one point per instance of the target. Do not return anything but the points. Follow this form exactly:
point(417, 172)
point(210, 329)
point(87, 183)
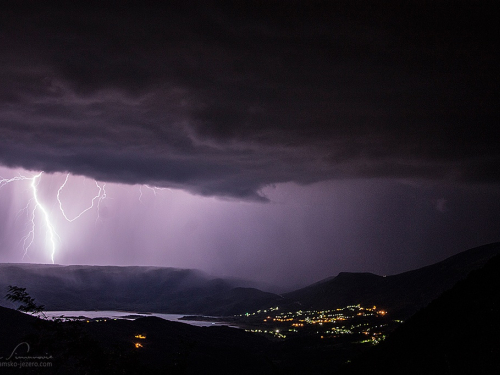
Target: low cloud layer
point(226, 98)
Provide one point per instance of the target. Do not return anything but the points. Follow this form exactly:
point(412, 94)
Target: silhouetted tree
point(27, 303)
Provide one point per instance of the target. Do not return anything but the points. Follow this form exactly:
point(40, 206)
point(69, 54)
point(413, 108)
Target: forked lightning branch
point(40, 215)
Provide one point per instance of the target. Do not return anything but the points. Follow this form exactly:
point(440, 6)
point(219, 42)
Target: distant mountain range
point(141, 289)
point(456, 333)
point(171, 290)
point(402, 294)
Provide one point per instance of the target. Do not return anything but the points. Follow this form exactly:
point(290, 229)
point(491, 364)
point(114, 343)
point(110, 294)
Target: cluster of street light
point(365, 324)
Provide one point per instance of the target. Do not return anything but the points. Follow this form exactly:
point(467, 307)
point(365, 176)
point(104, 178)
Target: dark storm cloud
point(223, 98)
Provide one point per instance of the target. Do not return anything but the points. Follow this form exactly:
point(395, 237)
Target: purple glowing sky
point(294, 140)
point(303, 234)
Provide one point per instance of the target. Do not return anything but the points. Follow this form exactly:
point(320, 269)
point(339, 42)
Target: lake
point(130, 315)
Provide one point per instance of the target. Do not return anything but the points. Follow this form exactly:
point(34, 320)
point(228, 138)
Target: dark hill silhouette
point(108, 347)
point(458, 333)
point(402, 294)
point(14, 326)
point(179, 348)
point(167, 290)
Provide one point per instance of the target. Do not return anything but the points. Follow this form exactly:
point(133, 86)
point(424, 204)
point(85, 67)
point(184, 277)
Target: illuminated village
point(354, 323)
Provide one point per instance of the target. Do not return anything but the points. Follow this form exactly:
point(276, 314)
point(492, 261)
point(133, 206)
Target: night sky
point(291, 140)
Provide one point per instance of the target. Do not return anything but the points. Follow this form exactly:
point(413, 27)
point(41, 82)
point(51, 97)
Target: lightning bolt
point(101, 198)
point(50, 229)
point(30, 237)
point(37, 206)
point(52, 235)
point(154, 189)
point(101, 194)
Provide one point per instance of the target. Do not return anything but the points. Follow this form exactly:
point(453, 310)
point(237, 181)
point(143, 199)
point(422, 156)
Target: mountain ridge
point(403, 294)
point(184, 291)
point(156, 289)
